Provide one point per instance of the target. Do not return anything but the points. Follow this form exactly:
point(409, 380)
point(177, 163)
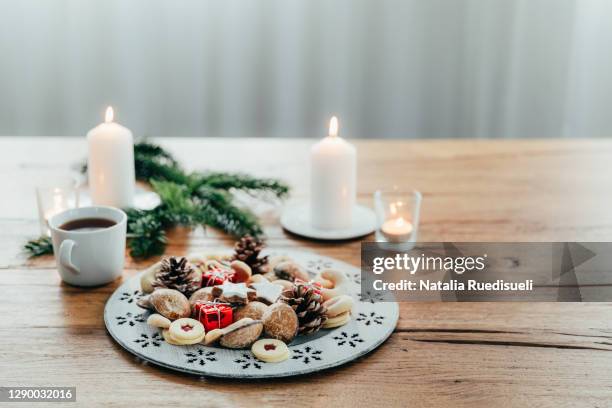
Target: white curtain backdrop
point(387, 68)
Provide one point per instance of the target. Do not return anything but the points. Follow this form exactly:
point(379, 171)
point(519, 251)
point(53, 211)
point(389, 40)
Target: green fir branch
point(39, 246)
point(256, 187)
point(188, 199)
point(176, 200)
point(146, 234)
point(150, 168)
point(217, 210)
point(153, 151)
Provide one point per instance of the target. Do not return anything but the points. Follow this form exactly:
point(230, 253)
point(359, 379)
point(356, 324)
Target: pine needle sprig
point(158, 168)
point(155, 152)
point(39, 246)
point(217, 210)
point(256, 187)
point(177, 202)
point(146, 234)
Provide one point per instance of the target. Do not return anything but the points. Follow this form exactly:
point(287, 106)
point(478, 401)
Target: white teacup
point(89, 256)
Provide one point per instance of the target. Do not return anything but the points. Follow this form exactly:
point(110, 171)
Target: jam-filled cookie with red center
point(270, 350)
point(184, 332)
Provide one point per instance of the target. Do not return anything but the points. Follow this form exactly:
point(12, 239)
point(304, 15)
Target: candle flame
point(399, 222)
point(393, 209)
point(333, 126)
point(108, 118)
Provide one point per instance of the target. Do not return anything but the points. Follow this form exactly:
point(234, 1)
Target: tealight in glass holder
point(53, 200)
point(397, 216)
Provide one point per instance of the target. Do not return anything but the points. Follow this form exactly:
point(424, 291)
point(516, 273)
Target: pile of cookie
point(242, 300)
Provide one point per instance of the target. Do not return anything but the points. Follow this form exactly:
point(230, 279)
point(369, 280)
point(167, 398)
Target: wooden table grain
point(441, 354)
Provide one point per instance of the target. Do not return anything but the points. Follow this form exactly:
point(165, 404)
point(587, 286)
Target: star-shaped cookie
point(267, 292)
point(233, 292)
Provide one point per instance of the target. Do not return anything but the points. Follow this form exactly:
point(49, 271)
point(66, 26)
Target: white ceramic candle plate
point(143, 199)
point(371, 324)
point(296, 219)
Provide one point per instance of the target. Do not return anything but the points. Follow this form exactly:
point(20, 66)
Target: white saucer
point(296, 219)
point(143, 199)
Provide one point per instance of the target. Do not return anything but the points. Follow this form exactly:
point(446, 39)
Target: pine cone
point(247, 250)
point(308, 305)
point(177, 273)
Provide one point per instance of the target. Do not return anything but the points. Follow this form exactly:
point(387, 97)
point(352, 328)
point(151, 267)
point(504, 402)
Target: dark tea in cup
point(87, 224)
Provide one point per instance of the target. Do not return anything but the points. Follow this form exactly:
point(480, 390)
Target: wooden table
point(441, 354)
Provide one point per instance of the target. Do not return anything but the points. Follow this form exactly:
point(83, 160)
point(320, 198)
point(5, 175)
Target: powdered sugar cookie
point(233, 292)
point(267, 292)
point(270, 350)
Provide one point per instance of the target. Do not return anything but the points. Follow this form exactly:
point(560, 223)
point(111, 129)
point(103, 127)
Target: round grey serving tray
point(371, 324)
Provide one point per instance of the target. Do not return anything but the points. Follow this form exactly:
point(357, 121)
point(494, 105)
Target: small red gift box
point(216, 277)
point(214, 315)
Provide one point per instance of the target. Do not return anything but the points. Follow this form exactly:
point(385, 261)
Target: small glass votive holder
point(53, 200)
point(397, 216)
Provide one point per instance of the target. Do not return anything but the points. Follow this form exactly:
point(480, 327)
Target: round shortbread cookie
point(186, 329)
point(337, 321)
point(171, 340)
point(270, 350)
point(338, 305)
point(166, 335)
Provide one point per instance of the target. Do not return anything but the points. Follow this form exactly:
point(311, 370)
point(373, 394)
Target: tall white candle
point(333, 181)
point(111, 163)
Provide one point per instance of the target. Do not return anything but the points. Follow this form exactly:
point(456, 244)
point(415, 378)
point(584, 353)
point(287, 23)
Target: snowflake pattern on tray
point(370, 318)
point(131, 296)
point(200, 356)
point(307, 354)
point(348, 339)
point(131, 319)
point(247, 360)
point(370, 297)
point(146, 340)
point(318, 265)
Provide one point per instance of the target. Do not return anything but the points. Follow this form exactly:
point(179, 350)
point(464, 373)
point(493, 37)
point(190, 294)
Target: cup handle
point(65, 255)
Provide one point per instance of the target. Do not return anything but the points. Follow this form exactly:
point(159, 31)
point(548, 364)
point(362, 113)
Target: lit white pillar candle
point(333, 181)
point(111, 163)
